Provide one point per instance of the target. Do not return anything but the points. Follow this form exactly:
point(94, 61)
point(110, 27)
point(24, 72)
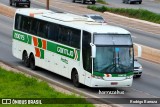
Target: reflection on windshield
point(113, 59)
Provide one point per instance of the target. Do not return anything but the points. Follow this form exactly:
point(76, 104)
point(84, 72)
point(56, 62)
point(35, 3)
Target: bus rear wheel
point(75, 79)
point(25, 59)
point(32, 62)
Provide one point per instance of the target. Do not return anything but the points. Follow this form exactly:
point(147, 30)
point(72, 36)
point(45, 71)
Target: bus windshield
point(113, 59)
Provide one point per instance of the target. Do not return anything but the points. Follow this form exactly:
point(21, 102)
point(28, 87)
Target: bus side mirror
point(93, 48)
point(139, 50)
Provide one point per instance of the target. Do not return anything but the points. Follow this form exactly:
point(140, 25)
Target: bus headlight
point(129, 77)
point(140, 67)
point(97, 77)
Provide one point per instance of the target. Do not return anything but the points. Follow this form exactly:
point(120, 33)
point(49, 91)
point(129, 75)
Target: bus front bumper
point(103, 83)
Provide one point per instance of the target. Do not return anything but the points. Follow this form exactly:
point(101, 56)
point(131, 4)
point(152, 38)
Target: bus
point(73, 46)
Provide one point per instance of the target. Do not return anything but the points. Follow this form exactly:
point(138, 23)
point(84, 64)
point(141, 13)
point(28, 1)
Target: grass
point(16, 85)
point(102, 2)
point(133, 13)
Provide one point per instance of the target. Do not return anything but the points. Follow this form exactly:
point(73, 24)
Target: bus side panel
point(18, 48)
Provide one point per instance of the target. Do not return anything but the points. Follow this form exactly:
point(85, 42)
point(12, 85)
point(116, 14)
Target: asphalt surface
point(151, 5)
point(138, 36)
point(145, 87)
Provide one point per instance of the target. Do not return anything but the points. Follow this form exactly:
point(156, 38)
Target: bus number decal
point(22, 37)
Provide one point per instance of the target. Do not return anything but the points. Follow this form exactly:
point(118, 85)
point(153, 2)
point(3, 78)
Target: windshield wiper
point(109, 68)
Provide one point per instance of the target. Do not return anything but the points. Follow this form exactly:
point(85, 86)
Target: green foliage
point(133, 13)
point(16, 85)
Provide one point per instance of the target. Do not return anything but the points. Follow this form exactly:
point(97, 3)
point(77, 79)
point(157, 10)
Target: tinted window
point(18, 22)
point(64, 35)
point(86, 51)
point(25, 23)
point(34, 26)
point(75, 38)
point(59, 33)
point(53, 32)
point(42, 29)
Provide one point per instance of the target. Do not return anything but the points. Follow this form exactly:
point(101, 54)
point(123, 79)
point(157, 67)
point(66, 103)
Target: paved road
point(140, 37)
point(145, 87)
point(151, 5)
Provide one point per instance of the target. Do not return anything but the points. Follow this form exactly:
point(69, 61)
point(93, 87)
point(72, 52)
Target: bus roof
point(72, 20)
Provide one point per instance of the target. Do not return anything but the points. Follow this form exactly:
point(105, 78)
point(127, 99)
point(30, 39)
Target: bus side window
point(75, 38)
point(86, 51)
point(26, 23)
point(18, 22)
point(43, 29)
point(34, 26)
point(53, 31)
point(64, 35)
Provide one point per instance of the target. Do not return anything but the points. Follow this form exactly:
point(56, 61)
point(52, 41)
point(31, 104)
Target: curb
point(7, 11)
point(147, 53)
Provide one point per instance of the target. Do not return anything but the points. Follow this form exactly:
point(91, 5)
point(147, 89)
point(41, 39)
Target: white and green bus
point(76, 47)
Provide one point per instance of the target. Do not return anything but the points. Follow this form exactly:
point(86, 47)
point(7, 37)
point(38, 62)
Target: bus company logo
point(65, 51)
point(6, 101)
point(19, 36)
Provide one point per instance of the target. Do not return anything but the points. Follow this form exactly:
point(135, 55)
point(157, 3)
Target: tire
point(93, 2)
point(32, 62)
point(75, 79)
point(25, 59)
point(138, 76)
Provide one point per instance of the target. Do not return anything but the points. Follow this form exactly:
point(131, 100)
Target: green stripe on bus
point(29, 39)
point(39, 43)
point(96, 73)
point(53, 47)
point(42, 53)
point(62, 50)
point(122, 75)
point(22, 37)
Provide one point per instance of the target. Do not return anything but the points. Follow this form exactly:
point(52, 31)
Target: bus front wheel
point(32, 62)
point(75, 79)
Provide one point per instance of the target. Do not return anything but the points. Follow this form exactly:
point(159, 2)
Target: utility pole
point(47, 4)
